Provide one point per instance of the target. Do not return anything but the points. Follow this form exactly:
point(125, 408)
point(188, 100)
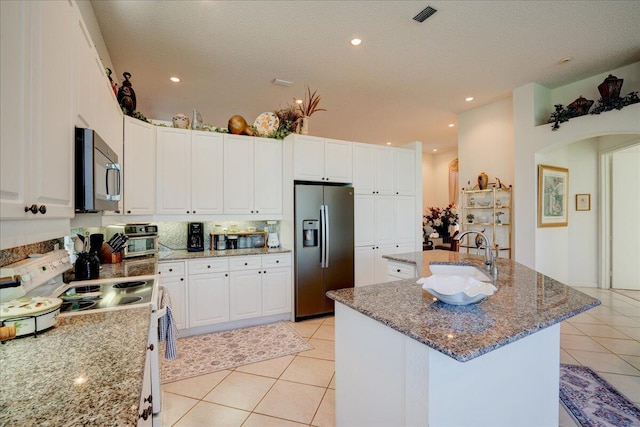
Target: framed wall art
point(553, 191)
point(583, 202)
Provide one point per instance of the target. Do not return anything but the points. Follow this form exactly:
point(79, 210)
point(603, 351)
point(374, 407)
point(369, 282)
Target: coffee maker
point(195, 237)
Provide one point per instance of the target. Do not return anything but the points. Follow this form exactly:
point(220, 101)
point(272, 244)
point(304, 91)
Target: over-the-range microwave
point(97, 173)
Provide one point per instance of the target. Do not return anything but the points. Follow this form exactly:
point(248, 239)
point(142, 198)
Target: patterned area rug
point(594, 402)
point(203, 354)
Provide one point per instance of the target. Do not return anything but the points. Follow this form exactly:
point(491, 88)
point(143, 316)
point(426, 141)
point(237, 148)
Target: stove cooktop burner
point(128, 285)
point(79, 305)
point(129, 300)
point(86, 289)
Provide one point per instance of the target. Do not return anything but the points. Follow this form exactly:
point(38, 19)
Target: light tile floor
point(299, 390)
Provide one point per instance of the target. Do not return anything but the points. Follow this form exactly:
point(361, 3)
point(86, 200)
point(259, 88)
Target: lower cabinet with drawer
point(217, 290)
point(400, 271)
point(263, 291)
point(172, 275)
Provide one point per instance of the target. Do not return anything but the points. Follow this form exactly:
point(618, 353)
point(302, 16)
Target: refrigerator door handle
point(323, 237)
point(327, 240)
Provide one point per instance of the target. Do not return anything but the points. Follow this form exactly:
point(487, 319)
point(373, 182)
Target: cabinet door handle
point(170, 270)
point(398, 271)
point(42, 209)
point(257, 211)
point(150, 347)
point(194, 211)
point(226, 274)
point(208, 266)
point(277, 261)
point(245, 263)
point(33, 209)
point(148, 399)
point(187, 211)
point(259, 272)
point(182, 279)
point(128, 212)
point(251, 211)
point(265, 272)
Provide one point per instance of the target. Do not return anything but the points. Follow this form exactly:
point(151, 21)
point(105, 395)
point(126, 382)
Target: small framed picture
point(583, 202)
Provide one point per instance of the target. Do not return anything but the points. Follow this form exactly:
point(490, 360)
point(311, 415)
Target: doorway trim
point(605, 213)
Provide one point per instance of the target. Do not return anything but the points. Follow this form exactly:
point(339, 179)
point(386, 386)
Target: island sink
point(457, 269)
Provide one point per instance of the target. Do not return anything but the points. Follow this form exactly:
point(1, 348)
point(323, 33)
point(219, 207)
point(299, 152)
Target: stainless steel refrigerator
point(323, 246)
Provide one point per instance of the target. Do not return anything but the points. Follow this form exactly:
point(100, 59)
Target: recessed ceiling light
point(451, 125)
point(174, 79)
point(435, 149)
point(565, 60)
point(388, 143)
point(469, 98)
point(356, 42)
point(298, 101)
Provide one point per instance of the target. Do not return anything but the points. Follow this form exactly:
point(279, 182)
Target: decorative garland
point(609, 100)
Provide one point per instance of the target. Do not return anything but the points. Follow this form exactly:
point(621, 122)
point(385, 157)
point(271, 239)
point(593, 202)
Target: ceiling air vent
point(424, 14)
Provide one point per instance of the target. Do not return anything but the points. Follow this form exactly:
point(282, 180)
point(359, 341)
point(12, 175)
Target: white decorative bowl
point(456, 290)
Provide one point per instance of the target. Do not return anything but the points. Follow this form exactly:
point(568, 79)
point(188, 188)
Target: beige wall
point(435, 178)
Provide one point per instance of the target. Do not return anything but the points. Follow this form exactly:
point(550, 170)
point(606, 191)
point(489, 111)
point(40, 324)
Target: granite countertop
point(525, 303)
point(145, 266)
point(87, 371)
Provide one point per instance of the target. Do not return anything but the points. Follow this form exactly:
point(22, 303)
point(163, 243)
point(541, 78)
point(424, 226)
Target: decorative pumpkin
point(238, 126)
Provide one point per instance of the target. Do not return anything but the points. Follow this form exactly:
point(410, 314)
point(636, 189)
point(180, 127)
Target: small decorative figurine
point(114, 86)
point(127, 96)
point(180, 121)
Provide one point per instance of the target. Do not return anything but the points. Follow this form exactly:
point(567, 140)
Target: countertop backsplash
point(9, 256)
point(173, 235)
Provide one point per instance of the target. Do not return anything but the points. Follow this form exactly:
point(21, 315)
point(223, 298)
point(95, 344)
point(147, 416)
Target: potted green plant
point(470, 218)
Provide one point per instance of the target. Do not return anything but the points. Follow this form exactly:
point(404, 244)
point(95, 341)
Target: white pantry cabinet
point(172, 275)
point(139, 167)
point(252, 175)
point(383, 225)
point(405, 172)
point(38, 92)
point(373, 169)
point(190, 172)
point(322, 159)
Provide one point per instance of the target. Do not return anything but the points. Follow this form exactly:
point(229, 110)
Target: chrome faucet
point(490, 263)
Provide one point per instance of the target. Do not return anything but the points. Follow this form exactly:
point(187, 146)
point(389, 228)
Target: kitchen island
point(405, 358)
point(87, 371)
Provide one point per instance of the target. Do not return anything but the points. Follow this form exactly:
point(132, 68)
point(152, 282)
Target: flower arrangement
point(440, 218)
point(470, 218)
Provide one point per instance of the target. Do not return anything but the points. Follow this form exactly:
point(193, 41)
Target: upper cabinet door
point(207, 172)
point(364, 168)
point(51, 126)
point(385, 170)
point(405, 180)
point(308, 158)
point(268, 176)
point(338, 161)
point(139, 167)
point(14, 56)
point(238, 177)
point(174, 171)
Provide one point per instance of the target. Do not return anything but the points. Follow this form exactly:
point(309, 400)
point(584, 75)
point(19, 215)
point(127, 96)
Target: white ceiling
point(406, 82)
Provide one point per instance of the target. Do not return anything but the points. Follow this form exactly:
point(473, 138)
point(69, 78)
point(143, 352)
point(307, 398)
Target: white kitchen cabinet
point(383, 225)
point(207, 172)
point(139, 167)
point(260, 285)
point(208, 291)
point(253, 176)
point(276, 284)
point(189, 171)
point(405, 172)
point(173, 171)
point(324, 160)
point(245, 294)
point(145, 408)
point(400, 270)
point(364, 265)
point(373, 169)
point(172, 275)
point(37, 99)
